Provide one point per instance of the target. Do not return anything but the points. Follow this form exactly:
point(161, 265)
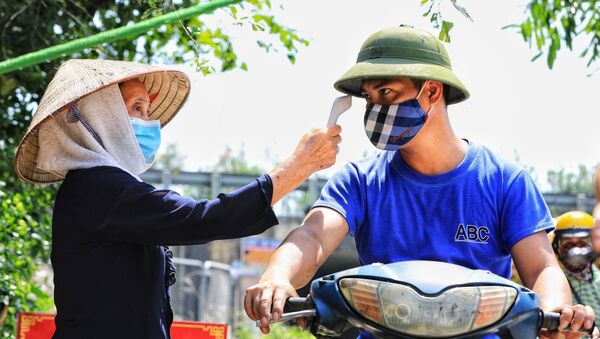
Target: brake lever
point(291, 316)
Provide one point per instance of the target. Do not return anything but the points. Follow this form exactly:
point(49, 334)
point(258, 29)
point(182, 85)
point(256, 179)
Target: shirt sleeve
point(524, 211)
point(143, 214)
point(344, 194)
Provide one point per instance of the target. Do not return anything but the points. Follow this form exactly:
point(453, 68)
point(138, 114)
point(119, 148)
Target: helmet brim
point(575, 233)
point(381, 68)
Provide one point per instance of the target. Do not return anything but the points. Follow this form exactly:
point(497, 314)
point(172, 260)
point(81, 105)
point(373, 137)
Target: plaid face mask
point(391, 127)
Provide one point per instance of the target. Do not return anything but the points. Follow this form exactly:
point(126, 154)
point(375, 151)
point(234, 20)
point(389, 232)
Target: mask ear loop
point(421, 90)
point(417, 98)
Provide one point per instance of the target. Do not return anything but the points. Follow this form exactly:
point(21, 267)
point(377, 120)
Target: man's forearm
point(296, 260)
point(552, 287)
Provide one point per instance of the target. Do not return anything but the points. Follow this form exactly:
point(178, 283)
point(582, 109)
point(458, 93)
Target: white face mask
point(391, 127)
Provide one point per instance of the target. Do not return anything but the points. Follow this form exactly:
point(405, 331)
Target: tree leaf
point(7, 86)
point(551, 56)
point(445, 31)
point(38, 292)
point(537, 55)
point(461, 9)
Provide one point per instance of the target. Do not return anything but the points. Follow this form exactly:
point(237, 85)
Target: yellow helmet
point(572, 224)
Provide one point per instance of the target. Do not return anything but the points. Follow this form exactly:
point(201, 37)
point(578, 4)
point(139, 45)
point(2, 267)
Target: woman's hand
point(316, 150)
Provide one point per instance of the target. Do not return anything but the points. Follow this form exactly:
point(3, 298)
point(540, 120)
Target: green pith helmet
point(398, 52)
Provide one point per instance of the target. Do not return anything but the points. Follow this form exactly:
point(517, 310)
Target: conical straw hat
point(77, 78)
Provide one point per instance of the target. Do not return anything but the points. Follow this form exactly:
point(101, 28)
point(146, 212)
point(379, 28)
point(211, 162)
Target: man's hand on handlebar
point(574, 321)
point(265, 302)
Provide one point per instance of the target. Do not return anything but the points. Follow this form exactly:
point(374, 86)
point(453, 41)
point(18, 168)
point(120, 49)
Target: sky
point(547, 117)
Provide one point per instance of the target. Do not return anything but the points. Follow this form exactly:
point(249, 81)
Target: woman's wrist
point(287, 176)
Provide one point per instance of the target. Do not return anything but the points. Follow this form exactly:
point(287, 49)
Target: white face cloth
point(66, 146)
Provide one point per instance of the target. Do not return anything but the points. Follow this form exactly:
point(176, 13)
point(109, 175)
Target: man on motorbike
point(430, 195)
point(572, 244)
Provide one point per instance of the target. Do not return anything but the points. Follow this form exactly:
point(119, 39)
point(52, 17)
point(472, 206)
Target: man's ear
point(435, 91)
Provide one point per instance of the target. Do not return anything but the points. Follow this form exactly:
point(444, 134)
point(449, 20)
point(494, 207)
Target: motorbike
point(421, 299)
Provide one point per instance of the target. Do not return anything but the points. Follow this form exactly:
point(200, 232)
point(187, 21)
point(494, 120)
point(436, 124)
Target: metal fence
point(210, 291)
point(204, 291)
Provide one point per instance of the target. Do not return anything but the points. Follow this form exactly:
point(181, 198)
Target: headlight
point(400, 308)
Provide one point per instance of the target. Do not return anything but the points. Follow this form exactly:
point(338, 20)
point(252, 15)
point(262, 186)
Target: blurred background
point(262, 75)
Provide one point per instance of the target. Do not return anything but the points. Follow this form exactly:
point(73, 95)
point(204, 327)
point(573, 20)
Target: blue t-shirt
point(470, 216)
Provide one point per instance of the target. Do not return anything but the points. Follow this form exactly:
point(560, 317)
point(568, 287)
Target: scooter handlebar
point(295, 304)
point(551, 321)
point(294, 308)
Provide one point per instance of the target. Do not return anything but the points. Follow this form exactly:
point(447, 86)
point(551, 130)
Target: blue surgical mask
point(147, 133)
point(391, 127)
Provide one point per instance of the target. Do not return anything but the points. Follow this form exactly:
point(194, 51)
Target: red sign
point(41, 326)
point(196, 330)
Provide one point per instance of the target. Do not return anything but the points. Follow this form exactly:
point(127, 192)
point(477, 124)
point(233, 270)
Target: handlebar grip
point(295, 304)
point(551, 320)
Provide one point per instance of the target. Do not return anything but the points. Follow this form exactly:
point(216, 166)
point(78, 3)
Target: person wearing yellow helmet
point(572, 244)
point(430, 195)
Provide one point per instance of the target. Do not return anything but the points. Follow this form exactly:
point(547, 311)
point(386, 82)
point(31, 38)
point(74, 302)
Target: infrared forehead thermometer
point(340, 105)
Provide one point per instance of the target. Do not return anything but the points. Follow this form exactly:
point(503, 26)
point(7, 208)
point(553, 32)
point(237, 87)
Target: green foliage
point(572, 182)
point(236, 164)
point(211, 49)
point(27, 26)
point(24, 242)
point(278, 331)
point(169, 159)
point(435, 17)
point(553, 24)
point(549, 25)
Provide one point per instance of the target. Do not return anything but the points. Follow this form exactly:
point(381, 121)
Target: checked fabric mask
point(391, 127)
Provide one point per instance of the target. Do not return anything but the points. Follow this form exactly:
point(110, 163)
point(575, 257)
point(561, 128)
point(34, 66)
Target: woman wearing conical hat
point(97, 128)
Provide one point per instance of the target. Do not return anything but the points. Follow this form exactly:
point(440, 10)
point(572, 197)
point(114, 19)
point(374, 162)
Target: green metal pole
point(54, 52)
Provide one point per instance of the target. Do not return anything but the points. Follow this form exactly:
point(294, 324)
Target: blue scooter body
point(428, 278)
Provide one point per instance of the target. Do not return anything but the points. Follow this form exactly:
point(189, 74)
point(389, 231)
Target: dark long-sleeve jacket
point(110, 265)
